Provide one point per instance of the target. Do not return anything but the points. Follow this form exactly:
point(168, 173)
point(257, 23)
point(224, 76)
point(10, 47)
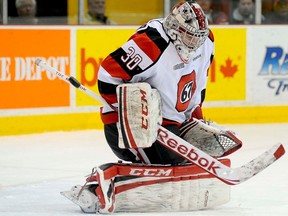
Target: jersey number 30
point(132, 59)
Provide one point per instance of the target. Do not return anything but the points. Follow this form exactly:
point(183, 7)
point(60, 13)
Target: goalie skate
point(83, 197)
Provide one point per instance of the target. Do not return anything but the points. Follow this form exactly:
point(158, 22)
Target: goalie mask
point(187, 27)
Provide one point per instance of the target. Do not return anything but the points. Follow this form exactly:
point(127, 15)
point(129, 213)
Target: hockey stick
point(231, 176)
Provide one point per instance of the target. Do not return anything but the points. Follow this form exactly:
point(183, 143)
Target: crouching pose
point(158, 77)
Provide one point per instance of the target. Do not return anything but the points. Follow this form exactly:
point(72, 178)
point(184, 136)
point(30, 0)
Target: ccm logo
point(144, 104)
point(150, 172)
point(185, 152)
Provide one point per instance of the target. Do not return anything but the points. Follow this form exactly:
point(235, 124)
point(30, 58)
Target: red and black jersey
point(149, 56)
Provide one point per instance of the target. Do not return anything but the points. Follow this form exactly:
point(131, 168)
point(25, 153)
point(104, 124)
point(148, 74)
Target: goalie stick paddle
point(228, 175)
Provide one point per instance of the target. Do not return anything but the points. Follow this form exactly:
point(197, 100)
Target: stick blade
point(279, 152)
point(260, 163)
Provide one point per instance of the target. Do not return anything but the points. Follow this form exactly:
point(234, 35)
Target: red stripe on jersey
point(109, 118)
point(197, 113)
point(111, 98)
point(147, 46)
point(170, 122)
point(211, 36)
point(114, 69)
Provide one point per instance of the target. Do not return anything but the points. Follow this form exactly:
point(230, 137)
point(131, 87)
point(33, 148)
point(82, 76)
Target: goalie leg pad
point(139, 114)
point(173, 195)
point(157, 188)
point(105, 192)
point(153, 188)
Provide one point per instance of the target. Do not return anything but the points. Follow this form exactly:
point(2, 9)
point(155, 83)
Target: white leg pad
point(173, 196)
point(153, 188)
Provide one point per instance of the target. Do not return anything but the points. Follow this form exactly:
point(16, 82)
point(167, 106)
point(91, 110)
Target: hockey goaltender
point(171, 159)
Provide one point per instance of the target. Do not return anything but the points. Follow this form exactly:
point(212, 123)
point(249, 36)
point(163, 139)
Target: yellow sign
point(92, 46)
point(227, 75)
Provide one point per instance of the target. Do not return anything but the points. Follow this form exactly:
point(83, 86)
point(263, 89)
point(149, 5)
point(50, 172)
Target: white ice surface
point(35, 168)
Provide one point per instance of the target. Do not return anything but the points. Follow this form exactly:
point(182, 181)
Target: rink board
point(247, 82)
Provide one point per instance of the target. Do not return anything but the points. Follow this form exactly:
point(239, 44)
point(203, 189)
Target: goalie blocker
point(120, 187)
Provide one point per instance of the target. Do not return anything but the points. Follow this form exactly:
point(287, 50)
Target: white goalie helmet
point(187, 27)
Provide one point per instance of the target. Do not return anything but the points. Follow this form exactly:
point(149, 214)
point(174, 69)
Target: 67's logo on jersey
point(186, 89)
